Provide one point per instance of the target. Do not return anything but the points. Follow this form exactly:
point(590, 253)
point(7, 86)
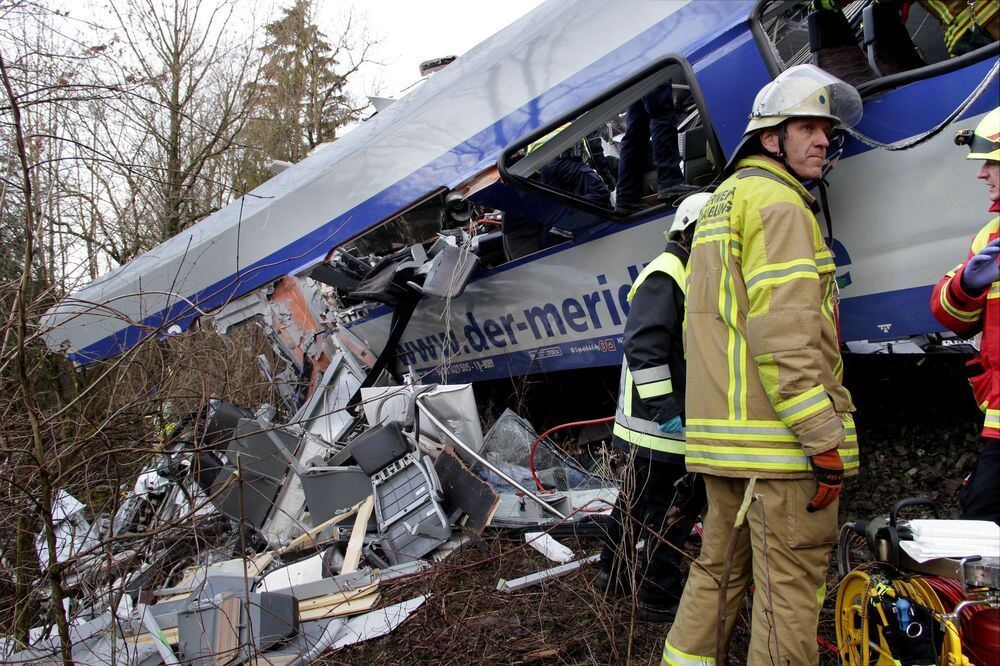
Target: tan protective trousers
point(784, 550)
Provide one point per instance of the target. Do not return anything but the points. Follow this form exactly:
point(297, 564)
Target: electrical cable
point(534, 445)
point(934, 131)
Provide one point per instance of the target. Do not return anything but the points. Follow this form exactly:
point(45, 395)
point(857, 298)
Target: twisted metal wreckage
point(271, 539)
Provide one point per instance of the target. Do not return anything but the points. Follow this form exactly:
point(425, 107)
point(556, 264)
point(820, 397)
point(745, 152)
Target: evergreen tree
point(301, 90)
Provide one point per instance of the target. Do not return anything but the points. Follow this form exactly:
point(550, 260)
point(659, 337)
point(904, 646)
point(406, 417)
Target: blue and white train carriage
point(900, 218)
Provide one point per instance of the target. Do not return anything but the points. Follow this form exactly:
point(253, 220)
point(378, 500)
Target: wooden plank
point(337, 597)
point(264, 560)
point(463, 490)
point(351, 607)
point(352, 556)
point(310, 536)
point(226, 642)
point(169, 637)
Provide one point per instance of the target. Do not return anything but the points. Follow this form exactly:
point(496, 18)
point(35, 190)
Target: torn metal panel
point(402, 570)
point(287, 578)
point(246, 488)
point(456, 415)
point(455, 404)
point(74, 533)
point(162, 647)
point(329, 490)
point(465, 493)
point(98, 641)
point(217, 630)
point(317, 586)
point(448, 273)
point(377, 623)
point(535, 578)
point(292, 320)
point(456, 543)
point(240, 310)
point(195, 576)
point(326, 420)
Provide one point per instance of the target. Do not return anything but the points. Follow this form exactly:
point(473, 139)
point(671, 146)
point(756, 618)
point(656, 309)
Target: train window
point(642, 145)
point(864, 41)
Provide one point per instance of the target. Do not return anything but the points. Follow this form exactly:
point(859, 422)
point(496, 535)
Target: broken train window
point(429, 249)
point(863, 40)
point(643, 144)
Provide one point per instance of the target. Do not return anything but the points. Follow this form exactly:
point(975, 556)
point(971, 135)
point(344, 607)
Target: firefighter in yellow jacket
point(768, 419)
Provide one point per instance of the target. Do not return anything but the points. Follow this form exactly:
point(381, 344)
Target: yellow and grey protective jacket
point(653, 373)
point(764, 370)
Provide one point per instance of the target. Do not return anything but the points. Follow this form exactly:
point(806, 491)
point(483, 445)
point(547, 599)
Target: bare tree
point(195, 66)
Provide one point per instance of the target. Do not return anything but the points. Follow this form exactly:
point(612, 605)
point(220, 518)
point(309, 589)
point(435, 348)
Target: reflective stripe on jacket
point(960, 17)
point(764, 368)
point(967, 315)
point(651, 390)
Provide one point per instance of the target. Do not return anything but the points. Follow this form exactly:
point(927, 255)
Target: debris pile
point(246, 538)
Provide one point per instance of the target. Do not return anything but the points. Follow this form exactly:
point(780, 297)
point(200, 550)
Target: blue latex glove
point(983, 269)
point(672, 427)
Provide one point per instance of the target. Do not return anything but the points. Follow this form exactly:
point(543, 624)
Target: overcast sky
point(411, 31)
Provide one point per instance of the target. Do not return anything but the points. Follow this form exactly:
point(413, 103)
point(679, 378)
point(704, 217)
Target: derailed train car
point(427, 239)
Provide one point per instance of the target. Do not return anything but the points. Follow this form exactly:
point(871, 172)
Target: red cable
point(827, 645)
point(534, 445)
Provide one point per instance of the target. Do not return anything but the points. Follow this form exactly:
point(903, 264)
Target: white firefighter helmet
point(803, 91)
point(984, 141)
point(687, 213)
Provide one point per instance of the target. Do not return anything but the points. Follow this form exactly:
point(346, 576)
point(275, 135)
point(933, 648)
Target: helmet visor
point(806, 90)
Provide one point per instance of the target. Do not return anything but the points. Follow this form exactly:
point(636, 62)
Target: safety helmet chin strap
point(782, 156)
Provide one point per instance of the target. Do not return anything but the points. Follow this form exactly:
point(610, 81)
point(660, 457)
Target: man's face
point(805, 145)
point(990, 172)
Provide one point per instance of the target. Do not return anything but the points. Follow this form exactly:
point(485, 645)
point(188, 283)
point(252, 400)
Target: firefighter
point(967, 24)
point(650, 140)
point(769, 423)
point(967, 301)
point(649, 426)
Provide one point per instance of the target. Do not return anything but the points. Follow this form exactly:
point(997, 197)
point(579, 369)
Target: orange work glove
point(828, 469)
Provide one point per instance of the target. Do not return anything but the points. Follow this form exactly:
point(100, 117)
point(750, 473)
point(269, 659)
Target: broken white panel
point(549, 547)
point(383, 404)
point(240, 310)
point(151, 625)
point(324, 418)
point(340, 633)
point(377, 623)
point(74, 533)
point(305, 571)
point(455, 406)
point(535, 578)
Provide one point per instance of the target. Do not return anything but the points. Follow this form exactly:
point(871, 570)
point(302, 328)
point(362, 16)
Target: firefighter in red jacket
point(967, 301)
